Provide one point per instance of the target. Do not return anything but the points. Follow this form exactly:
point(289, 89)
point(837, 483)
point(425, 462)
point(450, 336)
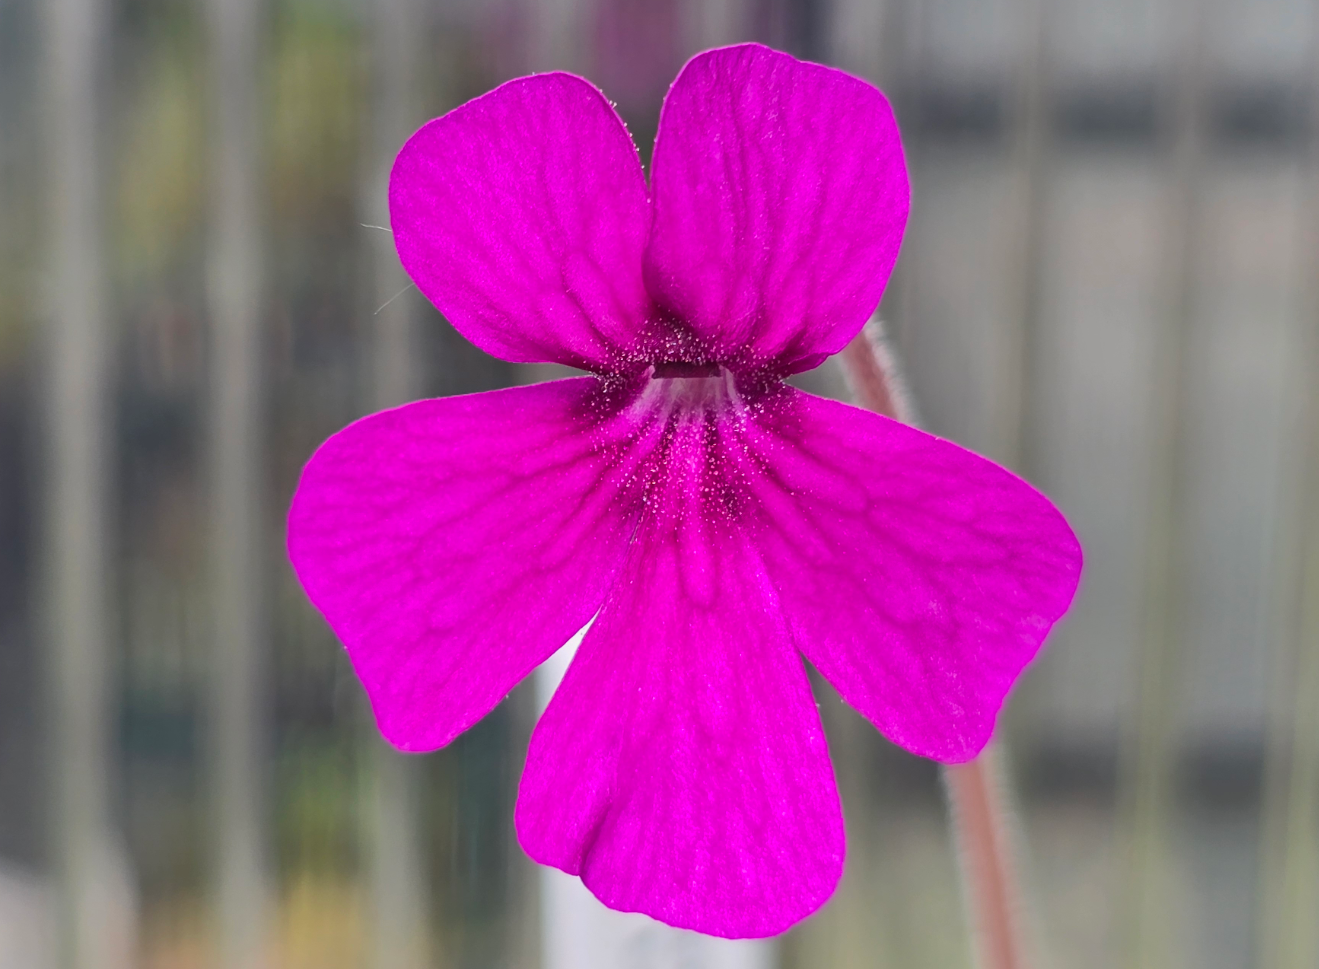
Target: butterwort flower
point(715, 523)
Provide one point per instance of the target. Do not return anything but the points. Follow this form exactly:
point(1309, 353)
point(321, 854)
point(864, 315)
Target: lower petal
point(681, 768)
point(918, 577)
point(454, 544)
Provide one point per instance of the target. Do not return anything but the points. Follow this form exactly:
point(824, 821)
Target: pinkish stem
point(975, 796)
point(978, 817)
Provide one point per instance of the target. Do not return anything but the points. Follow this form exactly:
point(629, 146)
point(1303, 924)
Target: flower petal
point(522, 216)
point(919, 578)
point(780, 197)
point(681, 768)
point(454, 544)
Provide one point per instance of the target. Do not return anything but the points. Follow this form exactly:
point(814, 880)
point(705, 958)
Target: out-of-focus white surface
point(28, 937)
point(578, 932)
point(26, 930)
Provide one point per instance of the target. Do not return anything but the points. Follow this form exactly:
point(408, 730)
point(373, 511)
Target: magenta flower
point(712, 520)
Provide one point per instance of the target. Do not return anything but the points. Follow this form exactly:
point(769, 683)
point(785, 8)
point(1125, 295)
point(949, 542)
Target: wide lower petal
point(780, 197)
point(454, 544)
point(522, 216)
point(918, 577)
point(681, 768)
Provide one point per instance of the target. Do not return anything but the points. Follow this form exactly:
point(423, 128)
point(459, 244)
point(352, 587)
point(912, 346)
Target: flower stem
point(872, 375)
point(975, 794)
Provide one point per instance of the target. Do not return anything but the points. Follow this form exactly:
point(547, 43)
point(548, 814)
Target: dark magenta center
point(676, 368)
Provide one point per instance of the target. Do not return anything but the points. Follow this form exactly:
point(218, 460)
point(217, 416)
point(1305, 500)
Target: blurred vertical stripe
point(1287, 930)
point(1014, 435)
point(1147, 760)
point(240, 715)
point(90, 924)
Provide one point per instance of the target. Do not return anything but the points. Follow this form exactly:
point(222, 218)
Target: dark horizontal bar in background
point(1136, 112)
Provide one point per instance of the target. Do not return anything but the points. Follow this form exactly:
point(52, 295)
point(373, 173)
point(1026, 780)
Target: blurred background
point(1109, 284)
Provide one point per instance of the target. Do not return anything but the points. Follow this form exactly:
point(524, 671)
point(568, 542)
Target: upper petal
point(919, 578)
point(454, 544)
point(522, 215)
point(780, 196)
point(681, 768)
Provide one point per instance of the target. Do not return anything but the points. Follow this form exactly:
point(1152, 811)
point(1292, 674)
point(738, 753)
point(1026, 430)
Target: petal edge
point(681, 769)
point(780, 197)
point(522, 215)
point(454, 544)
point(919, 578)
